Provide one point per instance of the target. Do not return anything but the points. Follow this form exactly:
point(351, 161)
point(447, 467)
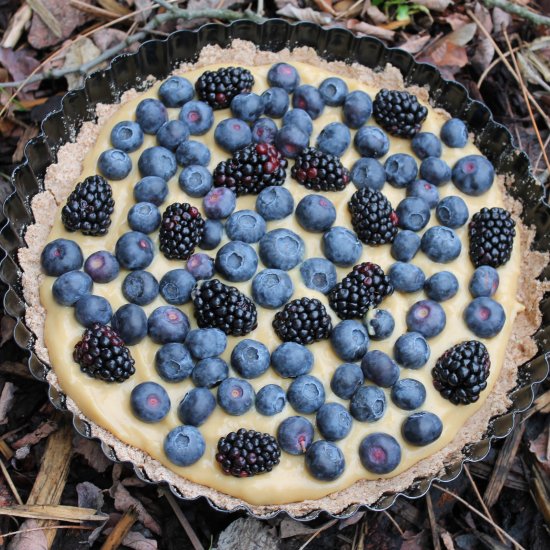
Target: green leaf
point(402, 13)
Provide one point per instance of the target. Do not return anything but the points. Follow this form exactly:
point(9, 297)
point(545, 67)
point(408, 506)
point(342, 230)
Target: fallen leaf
point(106, 38)
point(373, 30)
point(539, 447)
point(137, 541)
point(348, 7)
point(462, 36)
point(7, 323)
point(291, 528)
point(29, 540)
point(412, 541)
point(414, 44)
point(484, 15)
point(78, 54)
point(6, 498)
point(456, 20)
point(247, 533)
point(44, 430)
point(435, 5)
point(484, 53)
point(91, 452)
point(447, 539)
point(6, 400)
point(530, 73)
point(376, 15)
point(352, 520)
point(325, 5)
point(282, 3)
point(124, 500)
point(305, 14)
point(89, 496)
point(448, 57)
point(501, 19)
point(146, 5)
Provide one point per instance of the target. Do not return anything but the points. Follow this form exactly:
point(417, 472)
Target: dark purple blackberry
point(252, 169)
point(218, 88)
point(398, 112)
point(303, 321)
point(101, 353)
point(461, 373)
point(89, 207)
point(180, 230)
point(320, 171)
point(220, 306)
point(247, 453)
point(362, 289)
point(372, 216)
point(492, 232)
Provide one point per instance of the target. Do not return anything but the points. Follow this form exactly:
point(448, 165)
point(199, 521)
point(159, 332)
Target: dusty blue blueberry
point(408, 394)
point(299, 118)
point(127, 136)
point(114, 164)
point(274, 203)
point(368, 404)
point(291, 140)
point(157, 161)
point(270, 400)
point(151, 114)
point(276, 102)
point(424, 190)
point(264, 130)
point(198, 116)
point(134, 250)
point(334, 139)
point(413, 213)
point(452, 212)
point(281, 249)
point(325, 461)
point(195, 180)
point(272, 288)
point(401, 170)
point(435, 170)
point(315, 213)
point(380, 453)
point(68, 288)
point(140, 287)
point(484, 282)
point(201, 266)
point(218, 203)
point(350, 340)
point(426, 317)
point(172, 133)
point(206, 342)
point(250, 358)
point(318, 274)
point(306, 394)
point(149, 402)
point(333, 90)
point(309, 99)
point(247, 106)
point(246, 226)
point(422, 428)
point(91, 309)
point(176, 91)
point(406, 277)
point(405, 245)
point(380, 368)
point(441, 244)
point(236, 261)
point(235, 396)
point(173, 362)
point(368, 172)
point(284, 76)
point(441, 286)
point(212, 234)
point(130, 321)
point(357, 108)
point(346, 379)
point(184, 445)
point(341, 246)
point(167, 324)
point(196, 407)
point(233, 134)
point(151, 189)
point(295, 435)
point(426, 144)
point(371, 141)
point(473, 175)
point(484, 316)
point(144, 217)
point(176, 286)
point(454, 133)
point(411, 350)
point(333, 421)
point(290, 360)
point(193, 152)
point(102, 267)
point(209, 372)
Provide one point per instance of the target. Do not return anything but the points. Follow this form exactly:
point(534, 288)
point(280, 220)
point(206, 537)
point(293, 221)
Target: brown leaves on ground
point(31, 537)
point(540, 447)
point(124, 500)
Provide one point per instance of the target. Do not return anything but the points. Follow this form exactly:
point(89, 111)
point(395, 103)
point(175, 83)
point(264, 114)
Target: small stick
point(121, 529)
point(7, 476)
point(320, 530)
point(518, 10)
point(16, 26)
point(11, 533)
point(392, 519)
point(433, 524)
point(93, 10)
point(183, 520)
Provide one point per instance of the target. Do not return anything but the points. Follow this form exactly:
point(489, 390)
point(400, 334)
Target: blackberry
point(492, 232)
point(320, 171)
point(89, 207)
point(461, 373)
point(218, 88)
point(362, 289)
point(101, 354)
point(252, 169)
point(303, 321)
point(220, 306)
point(180, 231)
point(372, 216)
point(398, 112)
point(247, 453)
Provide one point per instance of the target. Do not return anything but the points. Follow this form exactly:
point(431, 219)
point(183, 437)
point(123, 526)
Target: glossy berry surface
point(484, 317)
point(91, 309)
point(426, 144)
point(379, 323)
point(379, 368)
point(144, 217)
point(206, 342)
point(209, 372)
point(196, 407)
point(130, 321)
point(368, 404)
point(149, 402)
point(270, 400)
point(157, 161)
point(172, 134)
point(484, 282)
point(325, 461)
point(291, 140)
point(201, 266)
point(176, 91)
point(435, 170)
point(140, 287)
point(454, 133)
point(320, 171)
point(424, 190)
point(218, 88)
point(173, 362)
point(102, 267)
point(308, 98)
point(333, 90)
point(333, 421)
point(193, 152)
point(247, 106)
point(295, 435)
point(452, 212)
point(127, 136)
point(134, 250)
point(284, 76)
point(195, 180)
point(357, 108)
point(291, 360)
point(219, 203)
point(399, 112)
point(151, 114)
point(413, 213)
point(401, 170)
point(235, 396)
point(233, 134)
point(422, 428)
point(473, 175)
point(306, 394)
point(264, 130)
point(151, 189)
point(250, 358)
point(275, 102)
point(299, 118)
point(180, 231)
point(211, 236)
point(371, 142)
point(380, 453)
point(349, 340)
point(441, 244)
point(334, 139)
point(346, 379)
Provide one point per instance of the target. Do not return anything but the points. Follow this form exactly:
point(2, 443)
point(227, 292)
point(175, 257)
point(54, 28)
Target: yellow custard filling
point(108, 405)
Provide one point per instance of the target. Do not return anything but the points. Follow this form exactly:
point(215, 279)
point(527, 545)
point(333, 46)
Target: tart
point(280, 281)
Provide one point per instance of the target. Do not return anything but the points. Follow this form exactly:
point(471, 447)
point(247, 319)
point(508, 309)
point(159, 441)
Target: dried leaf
point(89, 495)
point(106, 38)
point(435, 5)
point(29, 540)
point(462, 36)
point(6, 400)
point(541, 61)
point(19, 66)
point(376, 16)
point(137, 541)
point(414, 44)
point(412, 541)
point(501, 19)
point(44, 430)
point(124, 500)
point(78, 54)
point(485, 51)
point(305, 14)
point(483, 14)
point(146, 5)
point(282, 3)
point(539, 447)
point(352, 520)
point(447, 539)
point(92, 453)
point(349, 8)
point(247, 533)
point(373, 30)
point(290, 528)
point(325, 5)
point(530, 73)
point(447, 56)
point(457, 20)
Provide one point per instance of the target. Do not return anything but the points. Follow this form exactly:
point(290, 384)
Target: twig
point(121, 529)
point(17, 24)
point(492, 66)
point(433, 524)
point(183, 520)
point(396, 525)
point(12, 533)
point(93, 10)
point(322, 528)
point(13, 488)
point(536, 167)
point(516, 9)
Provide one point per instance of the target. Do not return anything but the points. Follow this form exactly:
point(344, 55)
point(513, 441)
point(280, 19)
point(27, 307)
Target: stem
point(516, 9)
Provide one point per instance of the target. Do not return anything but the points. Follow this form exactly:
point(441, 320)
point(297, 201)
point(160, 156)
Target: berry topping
point(408, 394)
point(333, 421)
point(306, 394)
point(371, 142)
point(218, 88)
point(309, 99)
point(441, 286)
point(334, 139)
point(167, 324)
point(270, 400)
point(320, 171)
point(368, 172)
point(68, 288)
point(206, 342)
point(422, 428)
point(368, 404)
point(380, 453)
point(484, 317)
point(209, 372)
point(235, 396)
point(196, 406)
point(411, 350)
point(346, 379)
point(134, 250)
point(281, 249)
point(250, 358)
point(184, 445)
point(379, 368)
point(484, 282)
point(318, 274)
point(232, 134)
point(350, 340)
point(333, 90)
point(236, 261)
point(413, 213)
point(405, 245)
point(341, 246)
point(180, 231)
point(157, 161)
point(295, 435)
point(357, 108)
point(272, 288)
point(91, 309)
point(149, 402)
point(130, 321)
point(325, 461)
point(173, 362)
point(426, 317)
point(380, 324)
point(473, 175)
point(283, 76)
point(399, 112)
point(315, 213)
point(290, 360)
point(454, 133)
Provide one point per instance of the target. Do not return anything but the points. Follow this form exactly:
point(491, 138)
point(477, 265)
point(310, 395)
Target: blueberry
point(219, 203)
point(368, 404)
point(196, 406)
point(236, 261)
point(134, 250)
point(206, 342)
point(484, 316)
point(71, 286)
point(272, 288)
point(406, 277)
point(299, 118)
point(195, 180)
point(176, 286)
point(291, 140)
point(357, 109)
point(484, 282)
point(295, 435)
point(250, 358)
point(441, 286)
point(275, 102)
point(91, 309)
point(149, 402)
point(130, 322)
point(368, 172)
point(346, 379)
point(372, 142)
point(411, 350)
point(291, 360)
point(318, 274)
point(473, 175)
point(281, 249)
point(309, 99)
point(405, 245)
point(424, 190)
point(235, 396)
point(315, 213)
point(333, 421)
point(274, 203)
point(452, 212)
point(102, 267)
point(114, 164)
point(173, 362)
point(212, 234)
point(264, 131)
point(201, 266)
point(350, 340)
point(422, 428)
point(247, 106)
point(379, 368)
point(233, 134)
point(270, 400)
point(140, 287)
point(209, 372)
point(172, 133)
point(127, 136)
point(334, 139)
point(306, 394)
point(325, 461)
point(167, 324)
point(426, 317)
point(413, 213)
point(408, 394)
point(341, 246)
point(441, 244)
point(454, 133)
point(157, 161)
point(380, 324)
point(184, 445)
point(435, 170)
point(144, 217)
point(151, 189)
point(198, 116)
point(401, 170)
point(176, 91)
point(151, 114)
point(426, 144)
point(333, 90)
point(380, 453)
point(246, 226)
point(283, 76)
point(193, 152)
